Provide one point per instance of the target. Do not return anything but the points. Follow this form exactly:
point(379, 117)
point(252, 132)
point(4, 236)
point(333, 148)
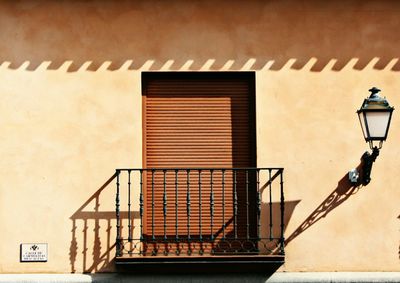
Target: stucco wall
point(71, 113)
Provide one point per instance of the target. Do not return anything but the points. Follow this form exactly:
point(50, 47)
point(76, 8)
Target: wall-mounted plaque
point(33, 253)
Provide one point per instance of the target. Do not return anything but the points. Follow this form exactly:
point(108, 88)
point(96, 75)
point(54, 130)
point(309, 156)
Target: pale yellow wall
point(71, 113)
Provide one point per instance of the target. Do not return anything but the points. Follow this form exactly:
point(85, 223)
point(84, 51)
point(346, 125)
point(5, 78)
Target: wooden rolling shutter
point(195, 120)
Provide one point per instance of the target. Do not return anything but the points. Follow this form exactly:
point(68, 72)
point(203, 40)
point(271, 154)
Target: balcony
point(192, 217)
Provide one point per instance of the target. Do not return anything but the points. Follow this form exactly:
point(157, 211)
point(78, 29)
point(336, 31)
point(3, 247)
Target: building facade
point(92, 88)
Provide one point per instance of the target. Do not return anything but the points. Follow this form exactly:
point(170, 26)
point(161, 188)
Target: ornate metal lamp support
point(375, 115)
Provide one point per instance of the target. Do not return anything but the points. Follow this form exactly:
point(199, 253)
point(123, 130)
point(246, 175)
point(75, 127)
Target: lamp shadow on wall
point(93, 234)
point(344, 190)
point(151, 35)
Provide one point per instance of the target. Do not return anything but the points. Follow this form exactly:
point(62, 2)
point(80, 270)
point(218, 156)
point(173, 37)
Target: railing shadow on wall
point(93, 234)
point(135, 35)
point(344, 190)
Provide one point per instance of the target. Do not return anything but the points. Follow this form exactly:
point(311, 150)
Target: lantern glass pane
point(362, 122)
point(377, 123)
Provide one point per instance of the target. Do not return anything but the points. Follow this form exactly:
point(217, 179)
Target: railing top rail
point(200, 168)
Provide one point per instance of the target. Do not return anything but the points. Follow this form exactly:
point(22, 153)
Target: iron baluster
point(141, 205)
point(247, 205)
point(129, 208)
point(200, 235)
point(117, 212)
point(282, 249)
point(235, 202)
point(152, 204)
point(165, 204)
point(258, 206)
point(223, 204)
point(176, 206)
point(211, 204)
point(271, 236)
point(188, 202)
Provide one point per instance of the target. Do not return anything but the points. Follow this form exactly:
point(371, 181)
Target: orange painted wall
point(71, 113)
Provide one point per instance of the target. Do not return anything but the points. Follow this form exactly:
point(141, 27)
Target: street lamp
point(375, 115)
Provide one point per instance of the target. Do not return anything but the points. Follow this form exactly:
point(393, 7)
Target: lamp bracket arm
point(368, 159)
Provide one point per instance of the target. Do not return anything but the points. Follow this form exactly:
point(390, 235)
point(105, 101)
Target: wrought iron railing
point(199, 211)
